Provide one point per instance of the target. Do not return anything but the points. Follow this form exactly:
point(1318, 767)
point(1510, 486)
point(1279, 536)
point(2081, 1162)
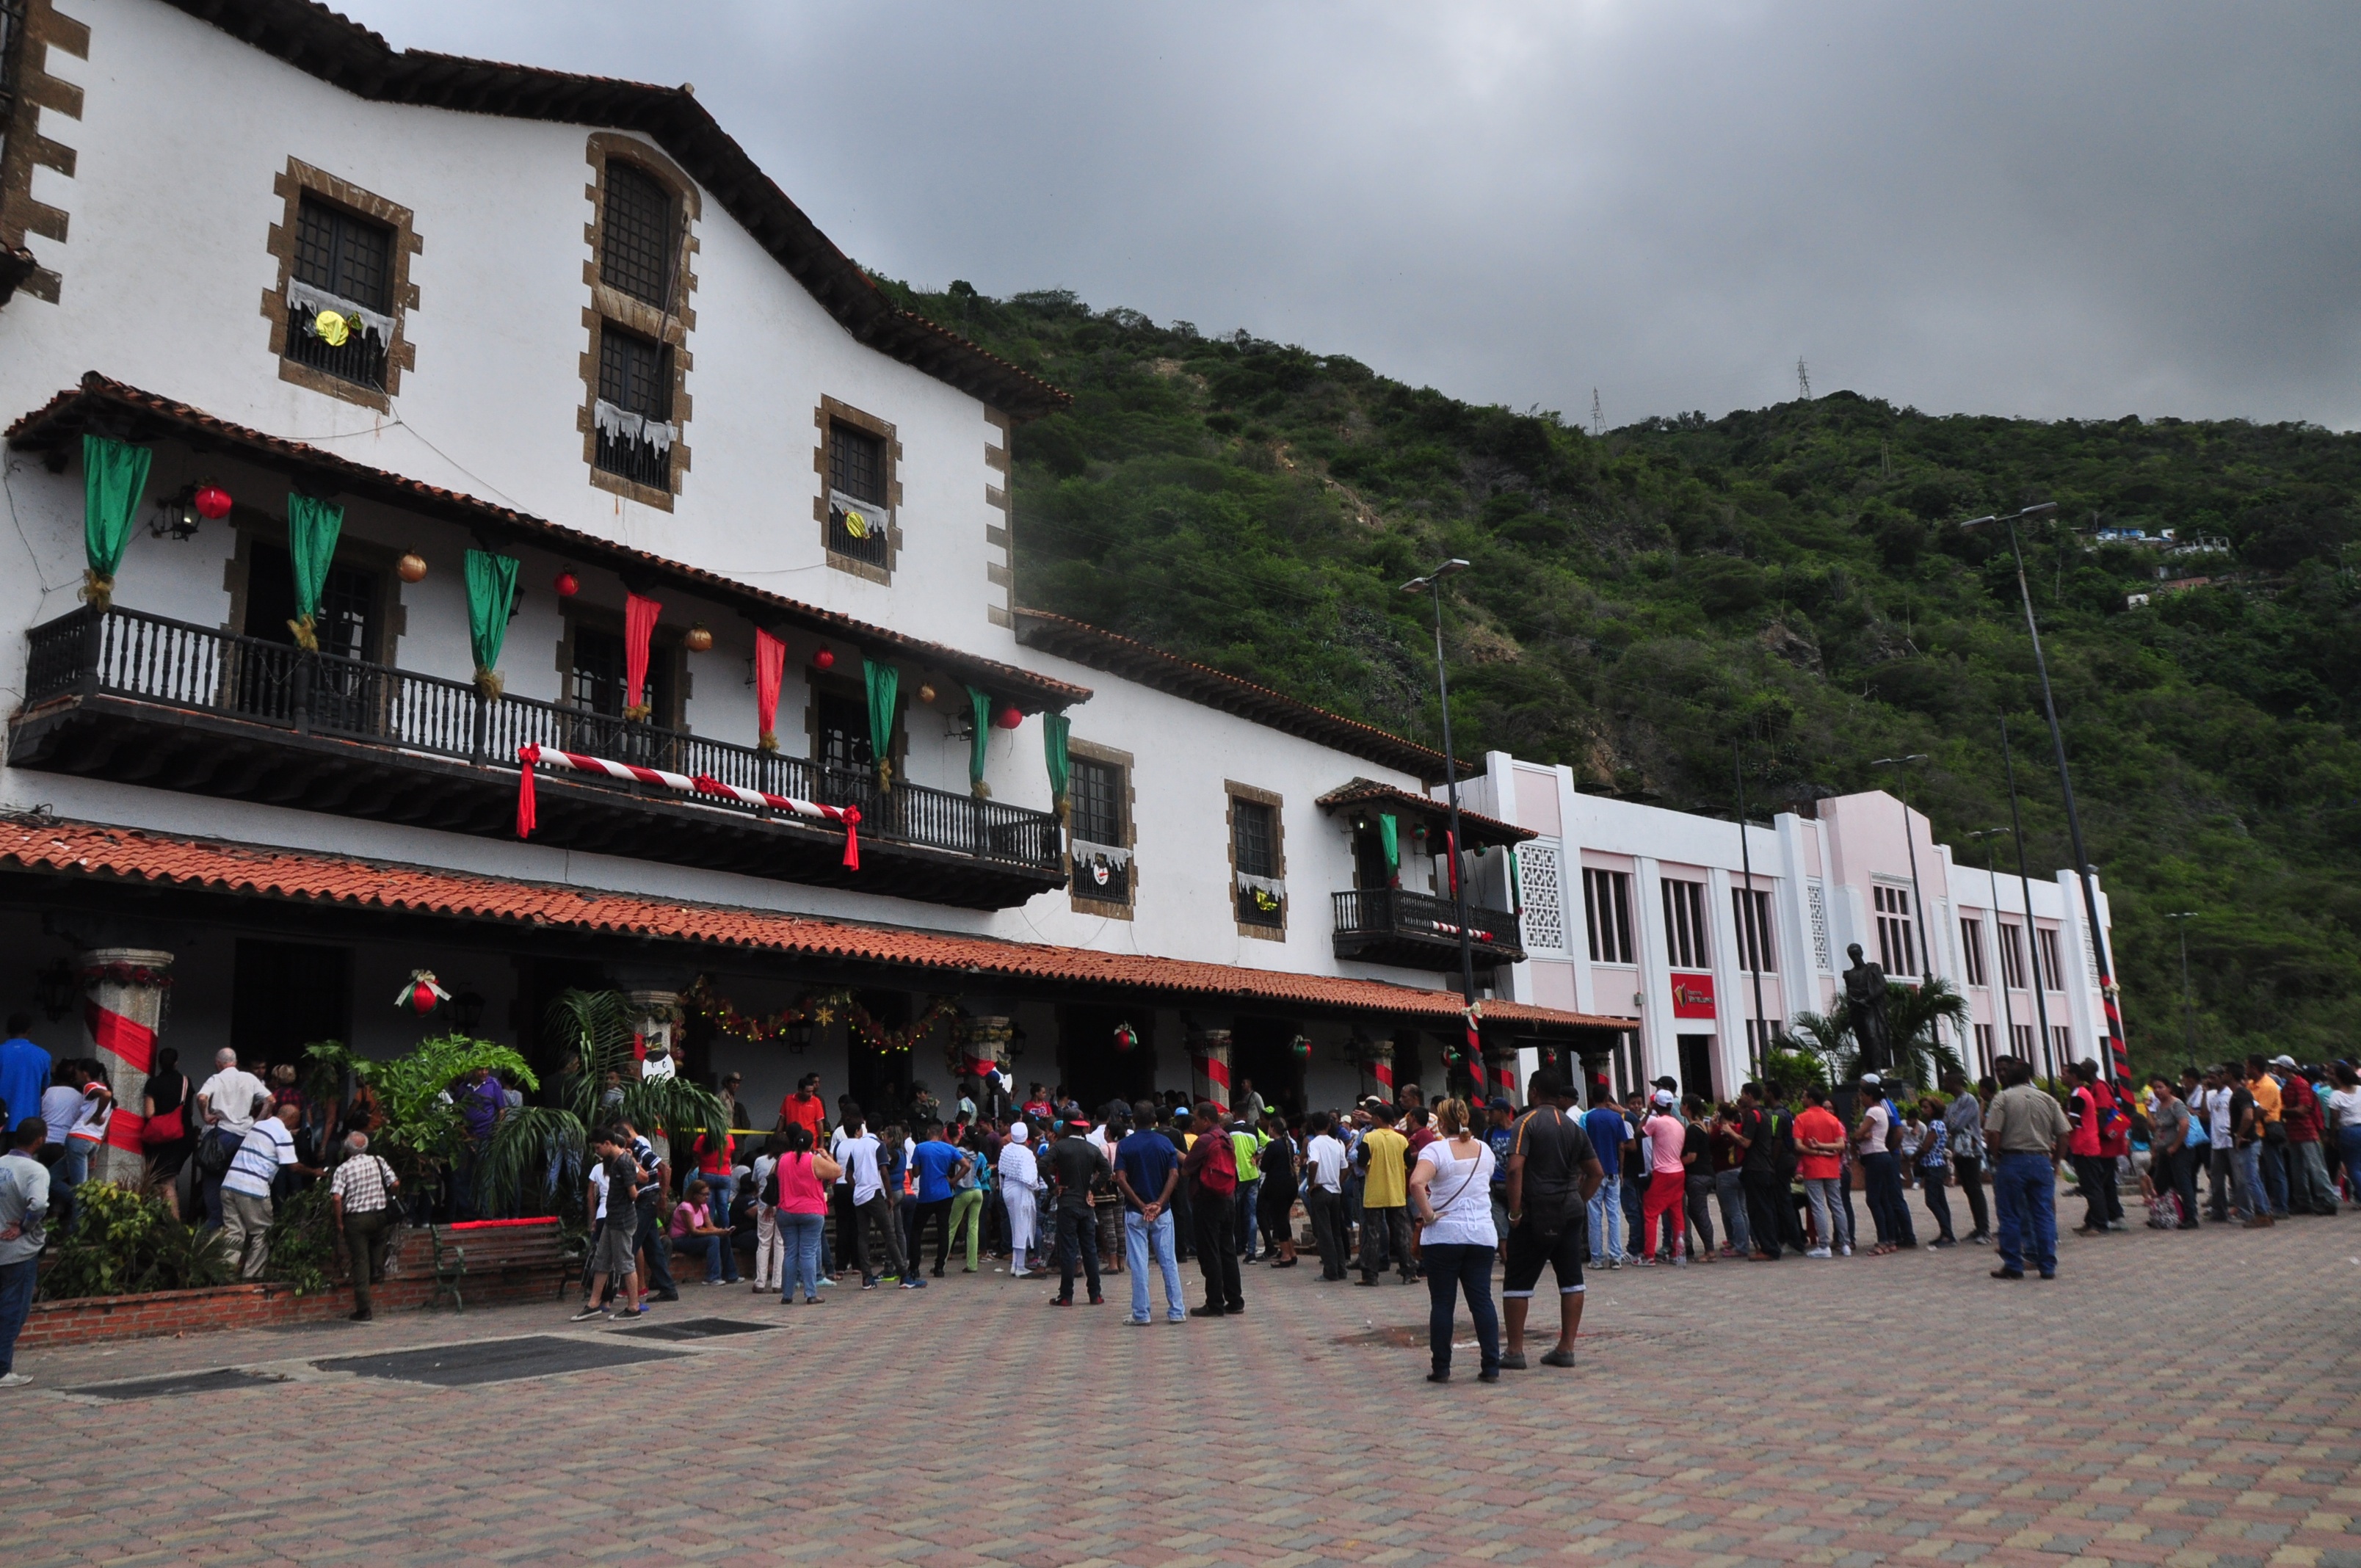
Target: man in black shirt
point(1766, 1195)
point(1552, 1171)
point(1076, 1164)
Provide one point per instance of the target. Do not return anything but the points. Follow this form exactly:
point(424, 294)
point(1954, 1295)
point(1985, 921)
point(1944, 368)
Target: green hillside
point(1790, 580)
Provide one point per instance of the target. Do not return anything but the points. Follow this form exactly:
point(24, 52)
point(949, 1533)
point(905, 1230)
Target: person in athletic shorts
point(1552, 1171)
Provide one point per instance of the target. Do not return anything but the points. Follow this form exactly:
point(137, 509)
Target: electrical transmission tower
point(1803, 380)
point(1598, 419)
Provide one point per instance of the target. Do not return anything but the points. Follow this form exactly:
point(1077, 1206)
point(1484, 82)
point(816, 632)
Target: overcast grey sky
point(2091, 209)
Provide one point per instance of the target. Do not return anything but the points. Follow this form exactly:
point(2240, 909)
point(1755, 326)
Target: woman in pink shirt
point(1667, 1180)
point(695, 1234)
point(803, 1176)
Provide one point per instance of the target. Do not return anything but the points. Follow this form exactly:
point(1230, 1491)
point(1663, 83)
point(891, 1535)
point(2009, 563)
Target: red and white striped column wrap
point(1472, 1049)
point(986, 1049)
point(1209, 1055)
point(1379, 1069)
point(123, 1008)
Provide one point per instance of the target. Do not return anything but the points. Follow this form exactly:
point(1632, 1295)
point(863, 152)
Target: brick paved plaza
point(1845, 1412)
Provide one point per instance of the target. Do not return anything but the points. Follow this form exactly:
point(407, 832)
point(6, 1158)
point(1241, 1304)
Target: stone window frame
point(663, 645)
point(292, 184)
point(667, 325)
point(1232, 793)
point(828, 412)
point(1082, 902)
point(1000, 607)
point(22, 148)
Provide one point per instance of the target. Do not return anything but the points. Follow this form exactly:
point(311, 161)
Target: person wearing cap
point(1324, 1159)
point(1663, 1133)
point(1211, 1165)
point(1020, 1182)
point(2094, 1174)
point(1078, 1164)
point(2027, 1134)
point(1554, 1173)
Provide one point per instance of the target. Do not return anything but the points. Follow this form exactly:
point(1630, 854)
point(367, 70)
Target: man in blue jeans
point(24, 1201)
point(2026, 1132)
point(1608, 1131)
point(1147, 1169)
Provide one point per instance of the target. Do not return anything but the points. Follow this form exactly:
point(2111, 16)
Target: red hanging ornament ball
point(824, 660)
point(1009, 719)
point(566, 585)
point(211, 502)
point(1125, 1039)
point(422, 999)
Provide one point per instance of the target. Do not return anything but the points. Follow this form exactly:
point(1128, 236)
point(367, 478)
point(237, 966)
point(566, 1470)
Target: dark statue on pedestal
point(1864, 990)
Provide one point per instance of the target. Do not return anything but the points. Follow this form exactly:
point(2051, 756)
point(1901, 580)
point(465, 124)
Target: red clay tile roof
point(296, 876)
point(340, 51)
point(1151, 666)
point(62, 419)
point(1478, 828)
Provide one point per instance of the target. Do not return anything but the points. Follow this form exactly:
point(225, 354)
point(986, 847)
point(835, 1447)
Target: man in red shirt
point(1819, 1143)
point(2098, 1125)
point(805, 1109)
point(2309, 1187)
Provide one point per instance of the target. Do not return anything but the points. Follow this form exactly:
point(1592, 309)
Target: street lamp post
point(2188, 997)
point(2025, 880)
point(2119, 1059)
point(1910, 842)
point(1758, 1050)
point(1431, 584)
point(2007, 1008)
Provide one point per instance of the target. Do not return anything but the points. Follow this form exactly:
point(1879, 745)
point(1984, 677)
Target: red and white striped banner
point(529, 757)
point(135, 1044)
point(1383, 1071)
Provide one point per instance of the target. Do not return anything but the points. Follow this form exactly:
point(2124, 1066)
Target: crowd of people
point(1447, 1193)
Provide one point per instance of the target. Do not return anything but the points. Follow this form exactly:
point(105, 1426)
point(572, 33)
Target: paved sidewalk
point(1846, 1412)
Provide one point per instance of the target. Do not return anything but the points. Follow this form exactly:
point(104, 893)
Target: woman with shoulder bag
point(1451, 1197)
point(803, 1174)
point(164, 1116)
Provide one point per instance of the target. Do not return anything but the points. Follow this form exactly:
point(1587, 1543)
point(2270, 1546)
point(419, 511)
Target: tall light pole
point(2025, 880)
point(1758, 1051)
point(1910, 842)
point(2119, 1063)
point(1432, 583)
point(2007, 1008)
point(2188, 998)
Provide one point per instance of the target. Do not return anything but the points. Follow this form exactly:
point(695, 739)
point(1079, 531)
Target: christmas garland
point(125, 974)
point(817, 1007)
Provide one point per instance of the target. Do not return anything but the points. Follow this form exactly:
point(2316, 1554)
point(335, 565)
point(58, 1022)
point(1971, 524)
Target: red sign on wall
point(1692, 996)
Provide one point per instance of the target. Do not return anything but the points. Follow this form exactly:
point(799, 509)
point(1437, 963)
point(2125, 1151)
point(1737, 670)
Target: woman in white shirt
point(1451, 1196)
point(2344, 1116)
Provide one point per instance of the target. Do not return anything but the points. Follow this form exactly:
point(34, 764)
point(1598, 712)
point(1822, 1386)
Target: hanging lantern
point(566, 585)
point(1302, 1047)
point(926, 695)
point(699, 639)
point(1125, 1039)
point(824, 660)
point(411, 568)
point(420, 993)
point(1008, 717)
point(211, 502)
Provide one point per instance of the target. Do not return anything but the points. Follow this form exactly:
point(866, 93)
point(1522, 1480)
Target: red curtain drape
point(639, 623)
point(770, 667)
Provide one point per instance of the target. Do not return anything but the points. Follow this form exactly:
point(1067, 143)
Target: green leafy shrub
point(126, 1242)
point(303, 1242)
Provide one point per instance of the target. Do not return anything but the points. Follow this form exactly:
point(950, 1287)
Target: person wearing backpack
point(1757, 1133)
point(1210, 1170)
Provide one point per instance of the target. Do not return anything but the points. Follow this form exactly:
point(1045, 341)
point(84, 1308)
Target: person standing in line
point(1633, 1183)
point(804, 1177)
point(2170, 1169)
point(768, 1251)
point(1730, 1182)
point(2270, 1128)
point(1696, 1177)
point(2209, 1102)
point(653, 1211)
point(24, 1072)
point(1756, 1135)
point(360, 1202)
point(1385, 1199)
point(1963, 1123)
point(2093, 1173)
point(2027, 1134)
point(967, 1199)
point(1934, 1168)
point(1323, 1195)
point(24, 1208)
point(1147, 1171)
point(1872, 1137)
point(875, 1210)
point(2247, 1136)
point(1499, 1135)
point(1020, 1189)
point(1247, 1146)
point(2342, 1111)
point(1607, 1132)
point(1276, 1204)
point(2310, 1191)
point(940, 1165)
point(1662, 1137)
point(610, 1196)
point(1552, 1176)
point(1211, 1167)
point(1819, 1147)
point(1451, 1189)
point(1076, 1165)
point(268, 1148)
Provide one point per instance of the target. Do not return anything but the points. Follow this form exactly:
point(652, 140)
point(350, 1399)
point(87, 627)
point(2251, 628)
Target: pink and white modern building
point(1650, 913)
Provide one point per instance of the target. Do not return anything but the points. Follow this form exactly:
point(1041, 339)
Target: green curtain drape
point(981, 701)
point(312, 529)
point(884, 682)
point(1389, 831)
point(1054, 727)
point(114, 473)
point(1516, 888)
point(491, 595)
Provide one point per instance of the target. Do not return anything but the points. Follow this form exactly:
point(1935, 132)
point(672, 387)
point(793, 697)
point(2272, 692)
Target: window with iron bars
point(1754, 952)
point(1607, 904)
point(1685, 926)
point(637, 242)
point(2054, 972)
point(1972, 950)
point(857, 506)
point(1095, 795)
point(1897, 946)
point(635, 383)
point(2012, 956)
point(1255, 843)
point(343, 263)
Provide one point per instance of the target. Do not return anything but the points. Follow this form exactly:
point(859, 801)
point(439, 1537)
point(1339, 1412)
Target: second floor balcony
point(139, 699)
point(1418, 930)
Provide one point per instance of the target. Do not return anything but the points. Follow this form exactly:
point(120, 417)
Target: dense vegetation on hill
point(1790, 581)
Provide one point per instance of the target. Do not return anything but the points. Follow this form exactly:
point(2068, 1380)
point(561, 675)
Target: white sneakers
point(15, 1379)
point(1822, 1251)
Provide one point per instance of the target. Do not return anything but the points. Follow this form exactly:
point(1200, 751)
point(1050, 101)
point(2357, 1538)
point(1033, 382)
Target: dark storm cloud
point(2088, 210)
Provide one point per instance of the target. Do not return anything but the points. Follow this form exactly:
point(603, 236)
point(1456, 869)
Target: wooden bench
point(486, 1249)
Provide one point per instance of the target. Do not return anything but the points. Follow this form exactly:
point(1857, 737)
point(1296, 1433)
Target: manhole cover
point(697, 1328)
point(179, 1383)
point(497, 1361)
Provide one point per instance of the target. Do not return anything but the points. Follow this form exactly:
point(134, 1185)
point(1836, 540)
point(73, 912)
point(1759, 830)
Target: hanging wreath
point(124, 975)
point(816, 1007)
